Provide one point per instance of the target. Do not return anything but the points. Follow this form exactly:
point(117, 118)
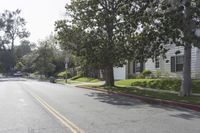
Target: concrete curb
point(150, 100)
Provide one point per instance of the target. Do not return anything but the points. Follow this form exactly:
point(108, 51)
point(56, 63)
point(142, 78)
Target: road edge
point(149, 99)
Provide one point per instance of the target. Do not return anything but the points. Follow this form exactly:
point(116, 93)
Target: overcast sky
point(39, 14)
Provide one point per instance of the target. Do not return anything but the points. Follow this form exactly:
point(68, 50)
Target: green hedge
point(63, 75)
point(162, 84)
point(196, 86)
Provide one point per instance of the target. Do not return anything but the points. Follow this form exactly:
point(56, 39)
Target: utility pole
point(66, 66)
point(67, 58)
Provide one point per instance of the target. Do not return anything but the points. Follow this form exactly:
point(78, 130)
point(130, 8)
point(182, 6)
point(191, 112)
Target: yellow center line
point(56, 114)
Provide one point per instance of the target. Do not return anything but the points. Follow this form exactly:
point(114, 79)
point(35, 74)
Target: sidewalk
point(85, 83)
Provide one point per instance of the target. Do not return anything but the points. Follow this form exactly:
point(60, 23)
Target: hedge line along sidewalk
point(156, 90)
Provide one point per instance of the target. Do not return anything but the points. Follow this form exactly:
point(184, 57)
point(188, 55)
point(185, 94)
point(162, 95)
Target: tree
point(24, 48)
point(99, 25)
point(22, 52)
point(12, 26)
point(180, 19)
point(43, 63)
point(142, 34)
point(27, 62)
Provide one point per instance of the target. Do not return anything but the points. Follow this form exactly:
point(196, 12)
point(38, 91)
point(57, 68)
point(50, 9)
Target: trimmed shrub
point(140, 76)
point(196, 86)
point(163, 84)
point(146, 73)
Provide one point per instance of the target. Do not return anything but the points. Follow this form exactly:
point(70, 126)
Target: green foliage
point(158, 73)
point(19, 66)
point(178, 21)
point(23, 49)
point(128, 82)
point(140, 76)
point(146, 73)
point(162, 84)
point(44, 62)
point(75, 77)
point(63, 74)
point(12, 27)
point(99, 33)
point(6, 61)
point(196, 86)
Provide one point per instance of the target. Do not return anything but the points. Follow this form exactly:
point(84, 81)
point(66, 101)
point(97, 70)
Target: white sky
point(40, 15)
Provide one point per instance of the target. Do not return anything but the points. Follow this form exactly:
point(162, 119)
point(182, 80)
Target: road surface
point(28, 106)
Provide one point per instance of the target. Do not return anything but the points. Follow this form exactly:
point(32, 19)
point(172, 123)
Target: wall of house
point(166, 68)
point(120, 73)
point(197, 71)
point(165, 65)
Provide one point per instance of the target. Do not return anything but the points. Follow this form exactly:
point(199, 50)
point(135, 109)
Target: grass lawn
point(159, 95)
point(129, 82)
point(62, 81)
point(85, 79)
point(77, 80)
point(162, 84)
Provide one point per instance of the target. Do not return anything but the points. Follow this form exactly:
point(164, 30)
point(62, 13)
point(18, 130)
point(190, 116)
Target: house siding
point(165, 65)
point(197, 71)
point(120, 73)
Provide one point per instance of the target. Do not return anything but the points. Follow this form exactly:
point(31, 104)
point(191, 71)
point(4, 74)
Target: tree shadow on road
point(115, 99)
point(127, 102)
point(190, 115)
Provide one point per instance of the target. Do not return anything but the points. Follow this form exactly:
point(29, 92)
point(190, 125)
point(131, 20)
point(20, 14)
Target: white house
point(171, 66)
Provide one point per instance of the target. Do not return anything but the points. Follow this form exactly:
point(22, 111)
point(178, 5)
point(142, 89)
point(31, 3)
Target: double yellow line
point(66, 122)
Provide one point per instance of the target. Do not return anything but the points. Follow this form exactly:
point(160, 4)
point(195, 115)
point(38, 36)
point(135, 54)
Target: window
point(157, 63)
point(137, 67)
point(177, 63)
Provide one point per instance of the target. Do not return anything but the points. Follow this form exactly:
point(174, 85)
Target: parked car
point(18, 74)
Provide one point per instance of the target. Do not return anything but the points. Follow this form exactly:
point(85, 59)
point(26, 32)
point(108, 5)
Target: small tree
point(43, 63)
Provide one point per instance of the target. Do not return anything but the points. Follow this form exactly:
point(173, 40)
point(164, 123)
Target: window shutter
point(134, 67)
point(173, 64)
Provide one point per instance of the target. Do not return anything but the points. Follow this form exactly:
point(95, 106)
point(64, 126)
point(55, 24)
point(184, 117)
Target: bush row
point(165, 84)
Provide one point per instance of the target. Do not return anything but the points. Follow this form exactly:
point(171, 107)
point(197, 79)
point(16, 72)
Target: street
point(29, 106)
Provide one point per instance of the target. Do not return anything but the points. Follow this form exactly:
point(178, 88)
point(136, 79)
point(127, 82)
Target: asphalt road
point(28, 106)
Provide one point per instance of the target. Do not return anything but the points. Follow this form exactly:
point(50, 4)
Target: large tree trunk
point(109, 76)
point(186, 79)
